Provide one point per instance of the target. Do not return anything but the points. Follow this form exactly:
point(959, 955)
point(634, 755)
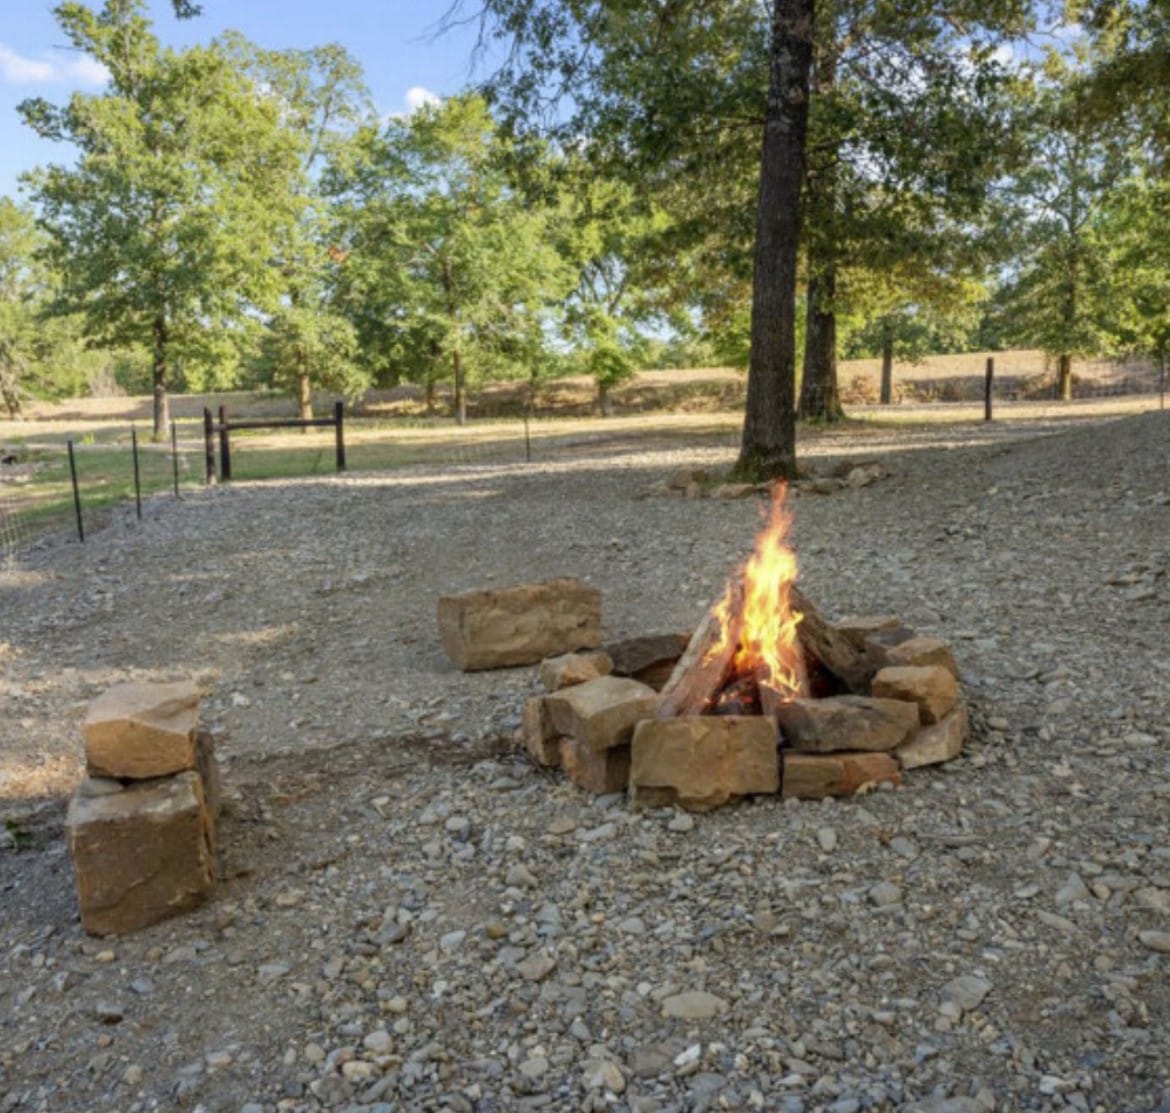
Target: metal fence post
point(76, 493)
point(175, 456)
point(208, 446)
point(225, 447)
point(339, 431)
point(137, 476)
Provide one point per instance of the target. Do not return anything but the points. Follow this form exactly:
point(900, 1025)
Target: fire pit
point(768, 696)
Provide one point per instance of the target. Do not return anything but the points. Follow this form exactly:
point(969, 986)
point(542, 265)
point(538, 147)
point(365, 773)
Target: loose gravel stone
point(412, 916)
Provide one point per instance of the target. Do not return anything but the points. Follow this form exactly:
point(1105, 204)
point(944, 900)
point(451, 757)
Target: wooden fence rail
point(225, 427)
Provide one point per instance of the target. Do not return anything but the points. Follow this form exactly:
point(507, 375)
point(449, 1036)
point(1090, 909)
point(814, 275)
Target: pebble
point(967, 992)
point(1037, 863)
point(694, 1005)
point(885, 893)
point(1156, 941)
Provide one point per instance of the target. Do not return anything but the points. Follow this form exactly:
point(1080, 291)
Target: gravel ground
point(413, 917)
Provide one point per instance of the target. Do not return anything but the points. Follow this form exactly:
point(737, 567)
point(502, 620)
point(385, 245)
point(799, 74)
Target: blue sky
point(392, 39)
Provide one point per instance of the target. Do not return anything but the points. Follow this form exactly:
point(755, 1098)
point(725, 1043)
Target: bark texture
point(768, 448)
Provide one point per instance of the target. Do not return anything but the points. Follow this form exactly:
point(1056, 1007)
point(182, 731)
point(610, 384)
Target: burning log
point(831, 648)
point(703, 668)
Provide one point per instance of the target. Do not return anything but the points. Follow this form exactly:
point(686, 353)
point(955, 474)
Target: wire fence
point(116, 467)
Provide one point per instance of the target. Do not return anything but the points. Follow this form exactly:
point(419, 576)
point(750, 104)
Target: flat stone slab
point(505, 627)
point(702, 762)
point(936, 743)
point(846, 723)
point(815, 776)
point(139, 731)
point(141, 853)
point(933, 688)
point(601, 713)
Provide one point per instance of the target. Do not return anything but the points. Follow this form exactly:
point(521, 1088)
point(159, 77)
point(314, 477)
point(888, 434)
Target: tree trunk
point(460, 389)
point(432, 400)
point(604, 401)
point(820, 398)
point(887, 394)
point(304, 391)
point(1064, 377)
point(768, 448)
point(10, 375)
point(160, 377)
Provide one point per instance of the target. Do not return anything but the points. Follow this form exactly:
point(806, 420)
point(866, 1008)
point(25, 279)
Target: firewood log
point(704, 667)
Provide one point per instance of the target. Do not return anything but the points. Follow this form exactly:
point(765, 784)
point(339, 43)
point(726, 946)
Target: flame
point(767, 623)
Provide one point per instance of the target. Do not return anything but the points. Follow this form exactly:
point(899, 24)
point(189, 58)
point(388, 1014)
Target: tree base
point(759, 466)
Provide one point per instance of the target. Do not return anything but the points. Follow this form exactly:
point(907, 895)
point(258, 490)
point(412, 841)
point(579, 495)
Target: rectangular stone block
point(815, 776)
point(919, 650)
point(846, 723)
point(503, 627)
point(540, 740)
point(601, 713)
point(702, 762)
point(932, 688)
point(937, 743)
point(140, 731)
point(596, 771)
point(141, 853)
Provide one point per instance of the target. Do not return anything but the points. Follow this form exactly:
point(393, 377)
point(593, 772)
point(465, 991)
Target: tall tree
point(609, 237)
point(768, 446)
point(20, 289)
point(909, 124)
point(677, 94)
point(451, 270)
point(1060, 296)
point(161, 230)
point(323, 103)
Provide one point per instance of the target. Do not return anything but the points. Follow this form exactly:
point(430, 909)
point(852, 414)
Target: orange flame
point(767, 623)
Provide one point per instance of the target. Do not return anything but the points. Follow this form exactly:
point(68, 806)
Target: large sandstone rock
point(596, 771)
point(917, 651)
point(540, 739)
point(574, 668)
point(703, 761)
point(933, 688)
point(858, 629)
point(846, 723)
point(141, 853)
point(601, 713)
point(521, 625)
point(140, 731)
point(937, 743)
point(815, 776)
point(650, 658)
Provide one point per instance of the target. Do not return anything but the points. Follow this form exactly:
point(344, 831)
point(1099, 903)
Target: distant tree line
point(771, 186)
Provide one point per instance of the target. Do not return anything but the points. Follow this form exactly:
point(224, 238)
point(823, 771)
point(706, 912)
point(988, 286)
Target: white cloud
point(87, 71)
point(16, 69)
point(419, 97)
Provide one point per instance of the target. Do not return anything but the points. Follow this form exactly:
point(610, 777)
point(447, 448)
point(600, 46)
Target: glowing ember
point(765, 624)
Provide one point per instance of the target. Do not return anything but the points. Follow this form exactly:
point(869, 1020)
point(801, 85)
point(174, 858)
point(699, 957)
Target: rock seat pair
point(141, 825)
